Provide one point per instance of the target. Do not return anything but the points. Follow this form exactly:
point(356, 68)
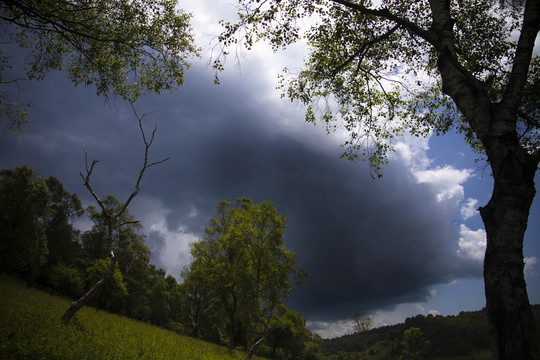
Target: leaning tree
point(113, 217)
point(381, 69)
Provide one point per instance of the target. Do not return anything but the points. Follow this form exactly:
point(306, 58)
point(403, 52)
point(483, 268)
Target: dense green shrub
point(67, 281)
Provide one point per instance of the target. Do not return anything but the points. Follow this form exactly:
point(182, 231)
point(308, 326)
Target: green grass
point(30, 328)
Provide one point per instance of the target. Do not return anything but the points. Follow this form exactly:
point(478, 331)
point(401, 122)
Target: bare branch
point(146, 165)
point(86, 179)
point(127, 223)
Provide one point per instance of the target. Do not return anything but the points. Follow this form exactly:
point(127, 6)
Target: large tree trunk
point(512, 326)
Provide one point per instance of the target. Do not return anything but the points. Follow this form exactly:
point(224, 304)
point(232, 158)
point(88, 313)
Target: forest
point(231, 294)
point(385, 77)
point(462, 336)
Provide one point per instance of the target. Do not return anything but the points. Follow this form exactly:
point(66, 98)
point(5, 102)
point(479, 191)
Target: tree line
point(419, 337)
point(232, 293)
point(379, 70)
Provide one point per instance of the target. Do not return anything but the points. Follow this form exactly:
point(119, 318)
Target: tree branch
point(111, 218)
point(532, 122)
point(431, 36)
point(30, 11)
point(522, 59)
point(146, 165)
point(365, 47)
point(86, 179)
point(386, 14)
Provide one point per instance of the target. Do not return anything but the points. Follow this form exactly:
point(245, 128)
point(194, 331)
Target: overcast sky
point(409, 243)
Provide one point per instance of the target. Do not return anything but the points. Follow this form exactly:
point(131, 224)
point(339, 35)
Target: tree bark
point(90, 295)
point(505, 217)
point(112, 217)
point(512, 327)
point(254, 346)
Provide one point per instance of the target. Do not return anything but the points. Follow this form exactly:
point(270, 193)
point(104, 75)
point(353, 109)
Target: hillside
point(464, 336)
point(30, 328)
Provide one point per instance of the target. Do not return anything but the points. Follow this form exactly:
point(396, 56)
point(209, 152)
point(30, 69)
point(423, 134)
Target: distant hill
point(464, 336)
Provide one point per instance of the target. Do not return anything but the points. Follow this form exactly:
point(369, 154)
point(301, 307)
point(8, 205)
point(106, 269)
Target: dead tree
point(112, 218)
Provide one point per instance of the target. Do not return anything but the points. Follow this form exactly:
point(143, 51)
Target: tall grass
point(30, 328)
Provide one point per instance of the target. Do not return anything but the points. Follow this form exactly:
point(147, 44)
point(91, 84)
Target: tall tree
point(362, 323)
point(62, 237)
point(381, 69)
point(245, 269)
point(201, 297)
point(124, 48)
point(24, 208)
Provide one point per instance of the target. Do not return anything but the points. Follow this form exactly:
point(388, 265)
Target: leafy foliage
point(414, 345)
point(289, 338)
point(124, 49)
point(67, 280)
point(115, 290)
point(241, 272)
point(372, 68)
point(24, 208)
point(38, 238)
point(233, 291)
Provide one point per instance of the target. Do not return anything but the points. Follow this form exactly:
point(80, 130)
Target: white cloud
point(399, 314)
point(176, 253)
point(446, 181)
point(468, 210)
point(529, 264)
point(472, 244)
point(412, 152)
point(328, 330)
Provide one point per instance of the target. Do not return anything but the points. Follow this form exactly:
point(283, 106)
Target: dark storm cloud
point(366, 243)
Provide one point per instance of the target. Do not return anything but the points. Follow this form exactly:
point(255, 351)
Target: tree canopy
point(242, 270)
point(414, 344)
point(373, 69)
point(124, 49)
point(24, 209)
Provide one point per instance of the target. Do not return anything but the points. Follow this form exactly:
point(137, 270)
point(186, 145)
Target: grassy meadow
point(30, 328)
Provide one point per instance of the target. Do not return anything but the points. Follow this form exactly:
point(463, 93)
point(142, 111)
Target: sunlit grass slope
point(30, 328)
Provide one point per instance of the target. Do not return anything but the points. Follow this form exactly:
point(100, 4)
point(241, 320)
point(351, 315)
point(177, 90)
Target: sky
point(409, 243)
